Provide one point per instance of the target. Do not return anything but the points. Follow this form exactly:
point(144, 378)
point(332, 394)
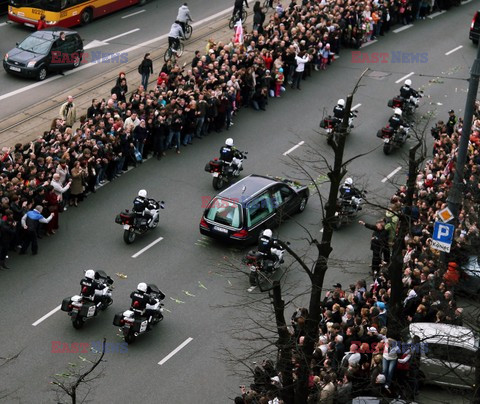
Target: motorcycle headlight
point(31, 63)
point(51, 22)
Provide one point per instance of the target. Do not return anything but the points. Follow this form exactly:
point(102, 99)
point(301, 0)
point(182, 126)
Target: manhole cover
point(378, 75)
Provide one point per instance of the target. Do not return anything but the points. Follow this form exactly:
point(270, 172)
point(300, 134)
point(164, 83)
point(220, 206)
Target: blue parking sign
point(442, 236)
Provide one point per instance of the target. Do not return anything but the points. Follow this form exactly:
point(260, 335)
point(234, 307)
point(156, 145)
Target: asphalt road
point(186, 266)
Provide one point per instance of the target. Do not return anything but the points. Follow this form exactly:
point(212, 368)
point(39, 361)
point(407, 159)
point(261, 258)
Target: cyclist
point(184, 16)
point(176, 32)
point(238, 8)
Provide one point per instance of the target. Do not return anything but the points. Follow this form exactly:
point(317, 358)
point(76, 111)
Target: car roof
point(249, 186)
point(445, 334)
point(52, 32)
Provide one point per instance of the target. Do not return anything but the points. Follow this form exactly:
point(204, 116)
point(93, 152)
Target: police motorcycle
point(136, 223)
point(347, 208)
point(331, 124)
point(134, 321)
point(393, 138)
point(223, 171)
point(261, 264)
point(82, 307)
point(408, 106)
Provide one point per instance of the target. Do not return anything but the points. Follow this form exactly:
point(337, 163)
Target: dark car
point(244, 209)
point(475, 28)
point(45, 51)
point(469, 283)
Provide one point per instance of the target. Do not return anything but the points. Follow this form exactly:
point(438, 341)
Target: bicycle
point(188, 31)
point(169, 53)
point(266, 5)
point(234, 18)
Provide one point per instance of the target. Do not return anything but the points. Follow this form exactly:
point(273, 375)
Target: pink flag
point(238, 32)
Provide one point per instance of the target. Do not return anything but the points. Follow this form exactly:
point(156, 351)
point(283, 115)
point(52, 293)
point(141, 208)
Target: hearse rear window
point(224, 212)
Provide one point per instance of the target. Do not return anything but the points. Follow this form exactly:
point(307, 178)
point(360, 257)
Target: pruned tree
point(77, 377)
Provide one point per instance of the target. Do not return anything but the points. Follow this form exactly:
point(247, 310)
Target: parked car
point(243, 210)
point(469, 283)
point(448, 354)
point(475, 28)
point(44, 51)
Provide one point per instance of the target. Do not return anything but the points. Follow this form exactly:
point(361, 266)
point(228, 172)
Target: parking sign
point(442, 236)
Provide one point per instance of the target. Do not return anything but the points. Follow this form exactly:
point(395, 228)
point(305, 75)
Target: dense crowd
point(353, 356)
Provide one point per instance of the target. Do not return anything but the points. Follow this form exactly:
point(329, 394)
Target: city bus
point(64, 13)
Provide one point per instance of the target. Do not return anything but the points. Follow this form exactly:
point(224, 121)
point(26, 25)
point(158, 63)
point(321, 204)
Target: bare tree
point(70, 382)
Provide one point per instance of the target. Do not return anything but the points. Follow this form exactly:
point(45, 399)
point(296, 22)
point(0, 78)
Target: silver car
point(448, 354)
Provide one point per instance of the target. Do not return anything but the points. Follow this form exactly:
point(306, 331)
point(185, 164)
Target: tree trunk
point(285, 345)
point(395, 318)
point(324, 249)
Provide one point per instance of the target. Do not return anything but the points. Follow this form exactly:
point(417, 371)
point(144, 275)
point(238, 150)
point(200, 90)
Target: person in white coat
point(301, 58)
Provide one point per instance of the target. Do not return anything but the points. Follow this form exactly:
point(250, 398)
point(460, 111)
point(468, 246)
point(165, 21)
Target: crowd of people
point(355, 355)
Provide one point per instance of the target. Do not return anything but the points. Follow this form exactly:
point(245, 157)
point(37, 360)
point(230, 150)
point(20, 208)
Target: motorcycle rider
point(184, 15)
point(396, 122)
point(94, 290)
point(406, 91)
point(267, 245)
point(339, 112)
point(349, 193)
point(176, 32)
point(145, 304)
point(145, 207)
point(231, 155)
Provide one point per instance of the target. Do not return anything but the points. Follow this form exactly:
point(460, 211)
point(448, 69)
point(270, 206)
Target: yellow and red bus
point(64, 13)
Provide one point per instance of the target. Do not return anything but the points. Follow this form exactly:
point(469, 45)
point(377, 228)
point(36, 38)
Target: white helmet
point(341, 102)
point(90, 274)
point(398, 111)
point(142, 193)
point(267, 233)
point(348, 181)
point(229, 142)
point(408, 82)
point(142, 287)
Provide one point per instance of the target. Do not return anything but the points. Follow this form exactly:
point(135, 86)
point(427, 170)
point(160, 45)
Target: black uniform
point(140, 301)
point(265, 245)
point(452, 120)
point(395, 122)
point(407, 92)
point(88, 288)
point(347, 193)
point(338, 112)
point(140, 204)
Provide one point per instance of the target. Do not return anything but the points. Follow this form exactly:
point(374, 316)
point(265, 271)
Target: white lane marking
point(293, 148)
point(321, 230)
point(454, 50)
point(251, 289)
point(177, 349)
point(432, 16)
point(46, 315)
point(3, 23)
point(120, 35)
point(368, 43)
point(391, 174)
point(396, 31)
point(336, 57)
point(147, 247)
point(131, 15)
point(105, 59)
point(405, 77)
point(95, 43)
point(356, 106)
point(465, 2)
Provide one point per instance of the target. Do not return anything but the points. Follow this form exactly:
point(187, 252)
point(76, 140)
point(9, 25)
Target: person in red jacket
point(452, 276)
point(42, 24)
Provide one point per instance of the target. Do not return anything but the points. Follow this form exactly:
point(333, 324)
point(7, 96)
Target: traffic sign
point(445, 215)
point(442, 236)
